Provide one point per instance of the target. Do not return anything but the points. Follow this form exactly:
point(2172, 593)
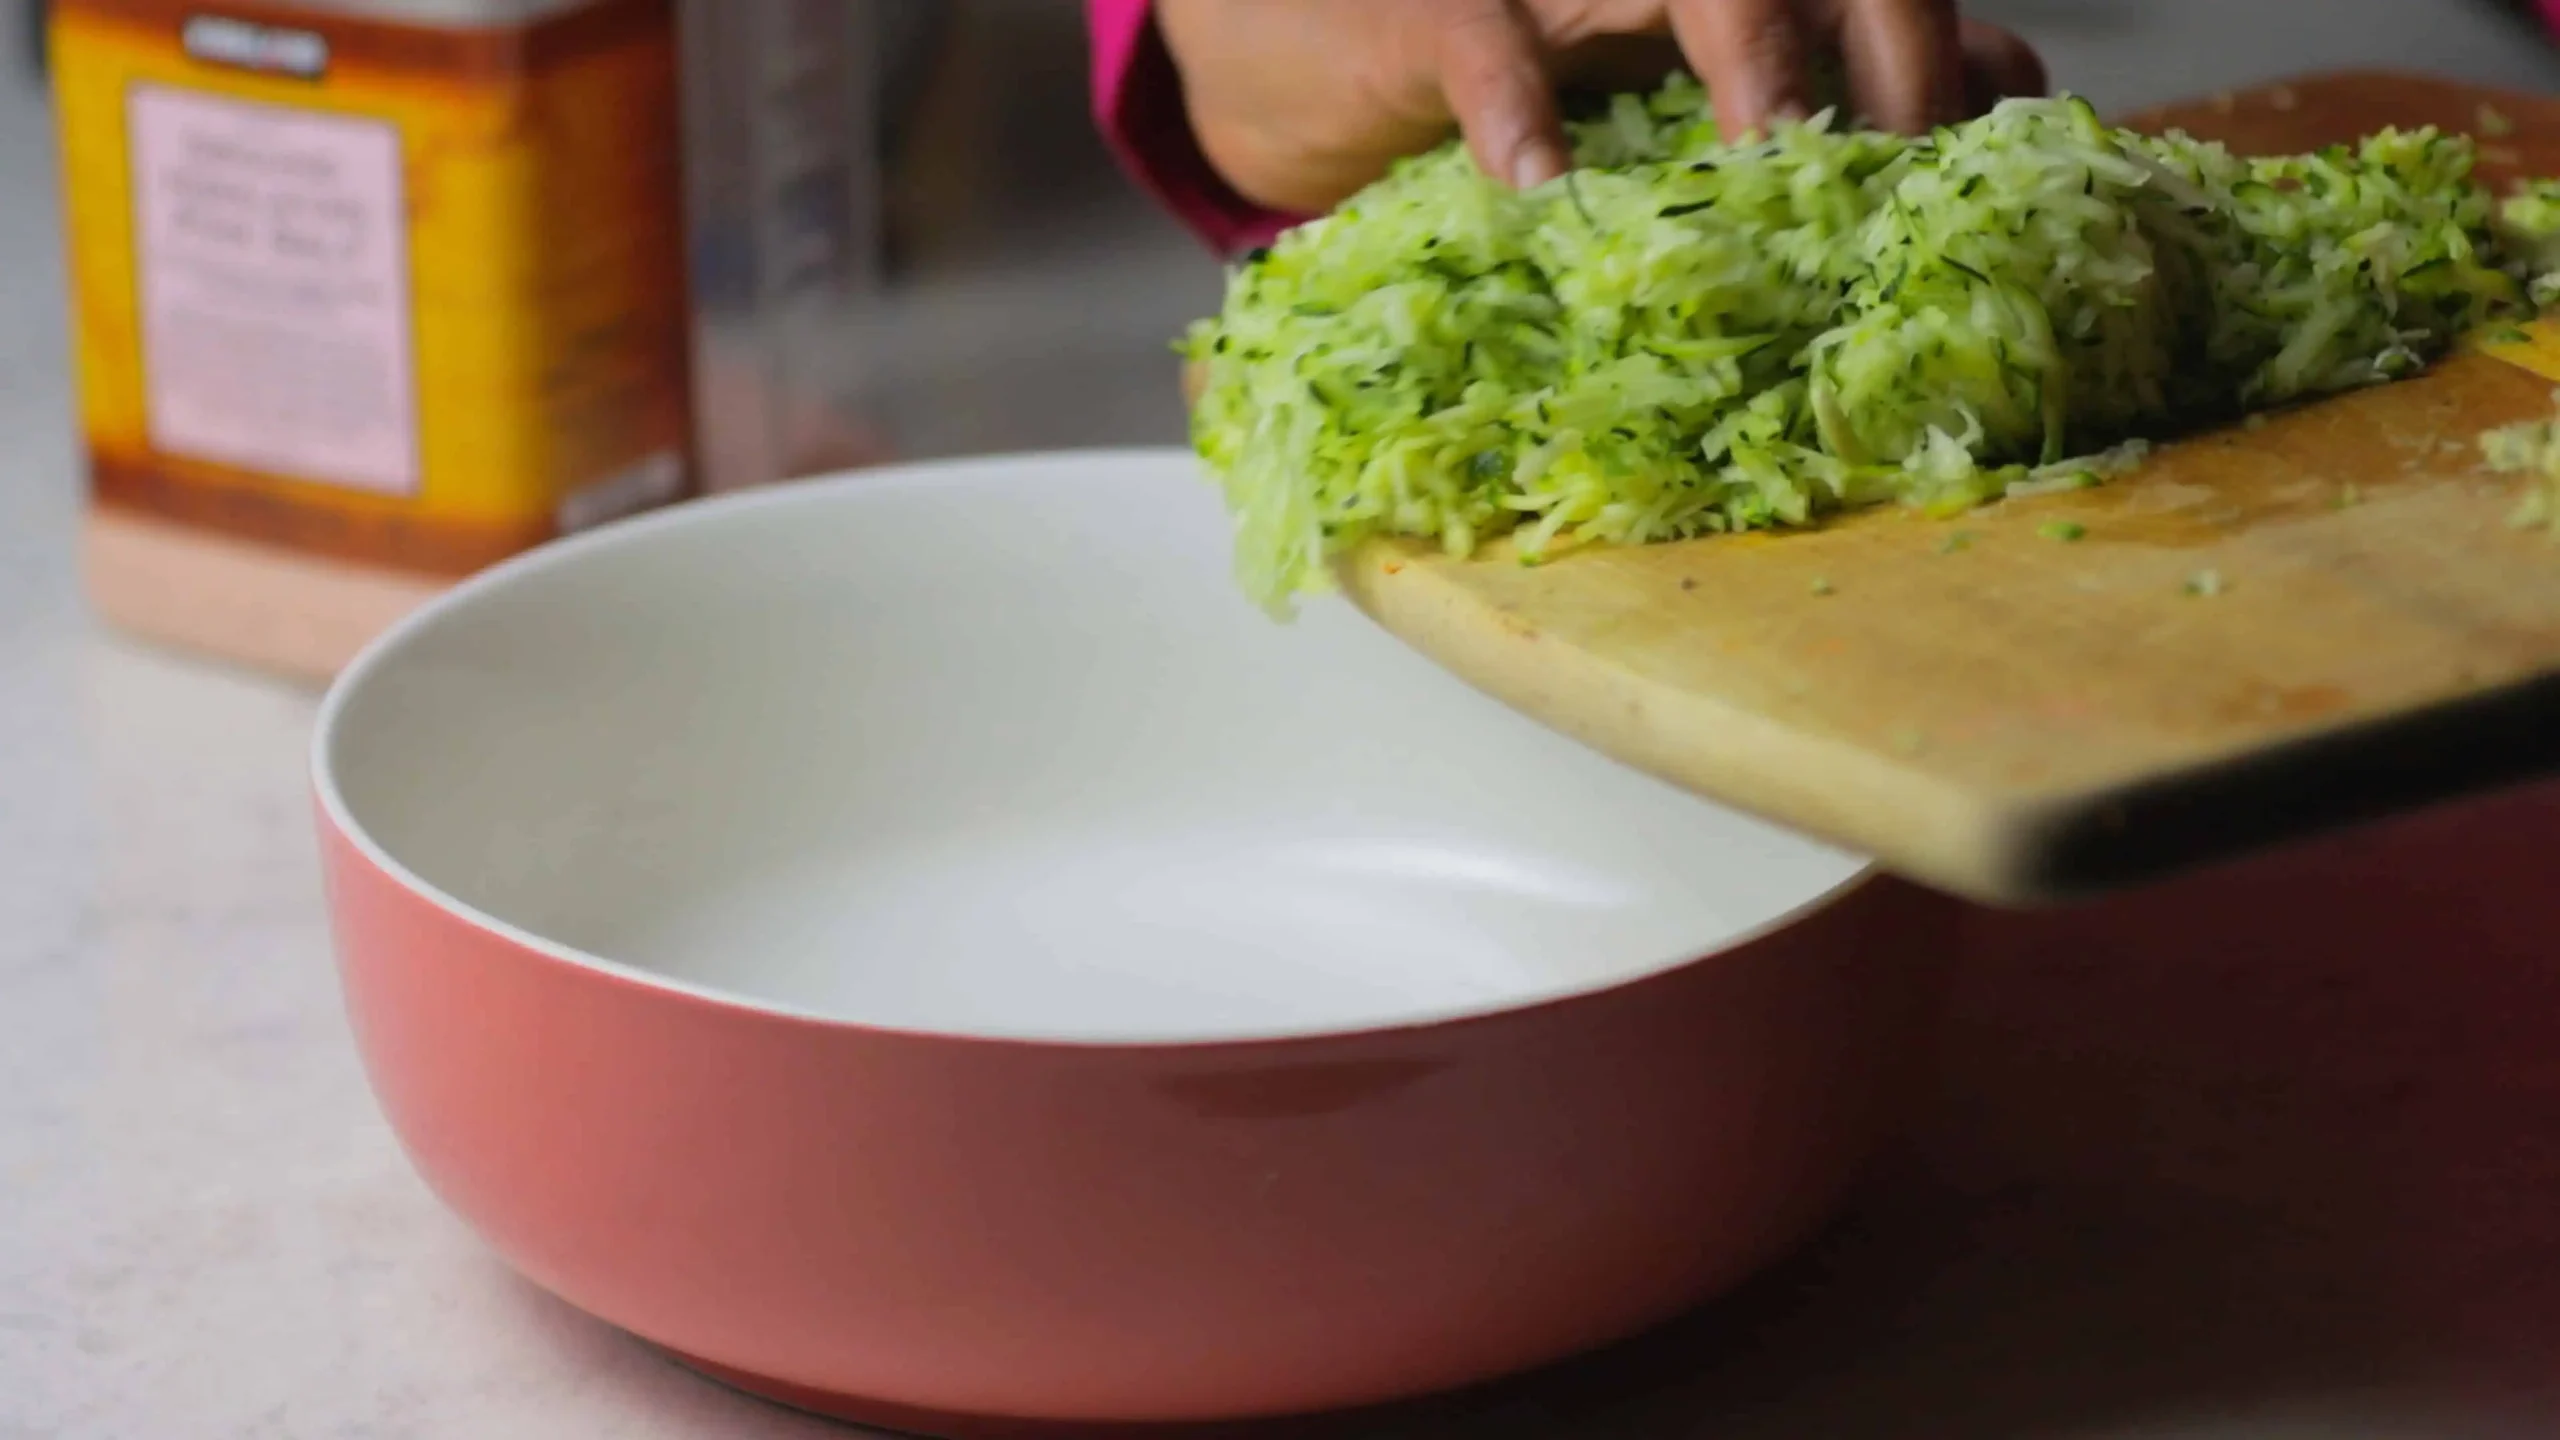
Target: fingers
point(1751, 53)
point(1495, 77)
point(1906, 62)
point(1911, 64)
point(1997, 65)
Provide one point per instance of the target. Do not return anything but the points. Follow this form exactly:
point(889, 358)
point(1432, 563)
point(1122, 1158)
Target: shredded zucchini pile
point(1682, 336)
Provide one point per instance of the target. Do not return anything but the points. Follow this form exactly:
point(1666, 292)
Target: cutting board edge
point(1982, 845)
point(2327, 778)
point(2012, 848)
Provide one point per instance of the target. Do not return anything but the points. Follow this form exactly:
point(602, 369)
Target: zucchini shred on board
point(1682, 337)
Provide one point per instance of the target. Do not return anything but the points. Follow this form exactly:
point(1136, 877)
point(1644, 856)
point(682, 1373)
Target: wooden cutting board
point(2019, 719)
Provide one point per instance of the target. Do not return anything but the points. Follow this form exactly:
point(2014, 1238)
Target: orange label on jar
point(410, 295)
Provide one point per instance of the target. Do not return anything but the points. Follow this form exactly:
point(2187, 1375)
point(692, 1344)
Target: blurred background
point(985, 279)
point(1026, 293)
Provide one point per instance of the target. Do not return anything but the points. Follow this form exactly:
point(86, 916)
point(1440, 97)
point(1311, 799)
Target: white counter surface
point(2194, 1172)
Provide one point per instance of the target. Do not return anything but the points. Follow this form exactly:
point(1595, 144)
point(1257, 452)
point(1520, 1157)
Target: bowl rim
point(382, 651)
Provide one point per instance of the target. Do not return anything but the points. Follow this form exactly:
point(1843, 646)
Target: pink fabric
point(1137, 100)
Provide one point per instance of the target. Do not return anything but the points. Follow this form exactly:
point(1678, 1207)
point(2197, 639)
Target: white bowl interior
point(995, 748)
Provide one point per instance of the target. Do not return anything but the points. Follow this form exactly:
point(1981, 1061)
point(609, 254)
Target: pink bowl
point(916, 946)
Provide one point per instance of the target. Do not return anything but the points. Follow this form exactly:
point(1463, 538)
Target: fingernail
point(1534, 165)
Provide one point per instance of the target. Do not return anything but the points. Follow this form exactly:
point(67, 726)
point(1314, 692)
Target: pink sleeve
point(1137, 100)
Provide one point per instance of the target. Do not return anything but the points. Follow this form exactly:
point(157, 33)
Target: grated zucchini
point(1685, 337)
point(2532, 450)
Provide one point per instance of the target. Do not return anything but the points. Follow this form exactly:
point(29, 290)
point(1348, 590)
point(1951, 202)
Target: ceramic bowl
point(921, 947)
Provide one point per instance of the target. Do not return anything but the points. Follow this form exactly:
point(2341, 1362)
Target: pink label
point(274, 277)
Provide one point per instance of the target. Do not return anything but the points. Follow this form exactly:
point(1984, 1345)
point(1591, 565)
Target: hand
point(1298, 103)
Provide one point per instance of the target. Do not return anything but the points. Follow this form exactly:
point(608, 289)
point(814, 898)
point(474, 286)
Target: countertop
point(2274, 1152)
